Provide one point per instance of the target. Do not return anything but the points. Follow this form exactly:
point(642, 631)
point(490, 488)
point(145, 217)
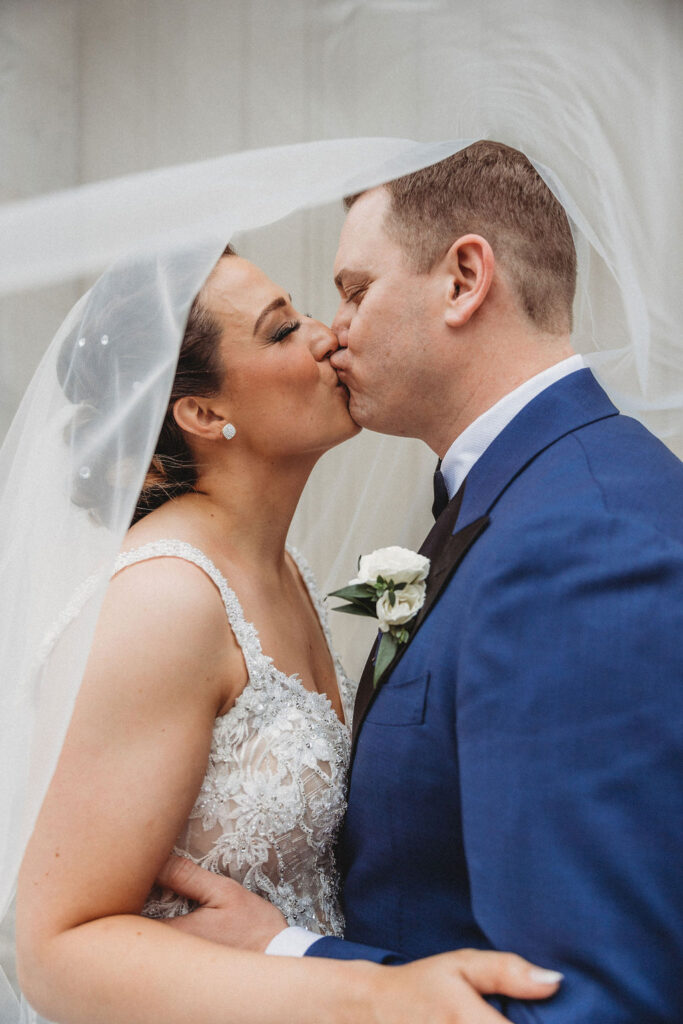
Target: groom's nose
point(340, 326)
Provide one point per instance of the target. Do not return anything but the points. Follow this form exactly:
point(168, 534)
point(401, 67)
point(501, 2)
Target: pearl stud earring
point(229, 431)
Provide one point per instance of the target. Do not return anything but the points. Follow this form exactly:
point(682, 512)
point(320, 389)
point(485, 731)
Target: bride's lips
point(340, 381)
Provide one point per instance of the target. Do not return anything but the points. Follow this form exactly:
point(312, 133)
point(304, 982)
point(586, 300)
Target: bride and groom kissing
point(513, 770)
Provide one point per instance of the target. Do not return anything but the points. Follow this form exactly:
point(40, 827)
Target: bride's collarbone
point(291, 634)
point(276, 603)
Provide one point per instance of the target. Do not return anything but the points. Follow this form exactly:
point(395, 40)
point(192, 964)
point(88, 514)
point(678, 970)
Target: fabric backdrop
point(91, 89)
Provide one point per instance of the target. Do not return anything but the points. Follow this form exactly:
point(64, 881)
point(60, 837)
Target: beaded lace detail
point(273, 796)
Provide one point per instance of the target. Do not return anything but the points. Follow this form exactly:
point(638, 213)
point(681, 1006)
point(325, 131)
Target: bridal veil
point(589, 98)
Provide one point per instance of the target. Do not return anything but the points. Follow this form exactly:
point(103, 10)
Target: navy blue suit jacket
point(517, 776)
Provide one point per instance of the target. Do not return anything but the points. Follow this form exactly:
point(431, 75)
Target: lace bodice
point(273, 796)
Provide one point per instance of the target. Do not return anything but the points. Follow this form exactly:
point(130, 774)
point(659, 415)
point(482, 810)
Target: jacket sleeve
point(340, 949)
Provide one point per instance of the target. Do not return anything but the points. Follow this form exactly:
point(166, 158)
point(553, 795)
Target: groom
point(517, 773)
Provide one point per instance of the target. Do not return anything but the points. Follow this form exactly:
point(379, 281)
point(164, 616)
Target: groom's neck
point(497, 372)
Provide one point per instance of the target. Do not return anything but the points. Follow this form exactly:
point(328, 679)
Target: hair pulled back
point(84, 370)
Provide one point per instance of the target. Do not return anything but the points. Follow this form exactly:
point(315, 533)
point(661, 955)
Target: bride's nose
point(324, 343)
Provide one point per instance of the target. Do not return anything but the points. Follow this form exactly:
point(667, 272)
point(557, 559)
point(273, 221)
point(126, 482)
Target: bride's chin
point(353, 428)
point(345, 434)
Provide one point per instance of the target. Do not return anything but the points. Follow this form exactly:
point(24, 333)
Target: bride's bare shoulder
point(164, 619)
point(170, 520)
point(169, 593)
point(165, 591)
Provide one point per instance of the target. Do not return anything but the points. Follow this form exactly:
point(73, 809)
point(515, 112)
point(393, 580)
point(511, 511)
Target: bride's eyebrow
point(275, 304)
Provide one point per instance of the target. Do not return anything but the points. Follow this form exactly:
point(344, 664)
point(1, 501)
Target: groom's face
point(382, 323)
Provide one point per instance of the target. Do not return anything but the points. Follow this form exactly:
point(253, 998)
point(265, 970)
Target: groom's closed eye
point(355, 295)
point(351, 287)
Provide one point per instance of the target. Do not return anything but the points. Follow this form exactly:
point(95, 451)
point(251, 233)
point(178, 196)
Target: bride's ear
point(195, 416)
point(470, 266)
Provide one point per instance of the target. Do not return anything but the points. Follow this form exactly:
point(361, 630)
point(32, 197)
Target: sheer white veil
point(76, 454)
point(74, 459)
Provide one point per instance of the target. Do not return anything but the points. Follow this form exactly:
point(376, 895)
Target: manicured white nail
point(544, 977)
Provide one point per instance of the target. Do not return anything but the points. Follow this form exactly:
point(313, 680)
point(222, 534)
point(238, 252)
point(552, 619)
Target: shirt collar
point(475, 439)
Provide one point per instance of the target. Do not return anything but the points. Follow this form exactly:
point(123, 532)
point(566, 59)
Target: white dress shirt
point(455, 465)
point(475, 439)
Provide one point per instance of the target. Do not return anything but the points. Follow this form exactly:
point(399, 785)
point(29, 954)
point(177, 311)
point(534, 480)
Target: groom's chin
point(362, 416)
point(356, 409)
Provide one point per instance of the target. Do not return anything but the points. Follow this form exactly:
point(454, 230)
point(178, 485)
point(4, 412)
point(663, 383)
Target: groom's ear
point(469, 266)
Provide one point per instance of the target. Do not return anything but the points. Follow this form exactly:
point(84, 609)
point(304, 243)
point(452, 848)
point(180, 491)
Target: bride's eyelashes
point(284, 330)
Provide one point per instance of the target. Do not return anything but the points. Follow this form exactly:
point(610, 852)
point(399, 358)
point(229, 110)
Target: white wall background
point(90, 89)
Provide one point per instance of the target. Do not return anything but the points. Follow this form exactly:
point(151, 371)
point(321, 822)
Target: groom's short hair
point(491, 190)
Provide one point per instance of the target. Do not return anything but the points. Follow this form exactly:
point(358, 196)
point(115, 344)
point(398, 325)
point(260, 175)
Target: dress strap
point(347, 688)
point(311, 584)
point(245, 632)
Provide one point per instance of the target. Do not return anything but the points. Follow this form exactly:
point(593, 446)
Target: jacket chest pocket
point(400, 703)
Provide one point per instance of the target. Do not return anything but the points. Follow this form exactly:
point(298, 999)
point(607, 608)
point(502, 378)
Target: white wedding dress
point(274, 794)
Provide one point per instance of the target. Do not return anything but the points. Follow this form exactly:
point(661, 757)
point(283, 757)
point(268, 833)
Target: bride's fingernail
point(544, 977)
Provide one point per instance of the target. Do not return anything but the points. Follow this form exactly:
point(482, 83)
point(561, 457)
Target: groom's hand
point(228, 913)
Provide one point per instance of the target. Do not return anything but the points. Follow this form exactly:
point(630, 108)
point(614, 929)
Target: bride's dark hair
point(173, 471)
point(88, 383)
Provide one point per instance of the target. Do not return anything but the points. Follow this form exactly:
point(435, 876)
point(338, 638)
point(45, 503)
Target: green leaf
point(385, 654)
point(355, 609)
point(367, 604)
point(353, 591)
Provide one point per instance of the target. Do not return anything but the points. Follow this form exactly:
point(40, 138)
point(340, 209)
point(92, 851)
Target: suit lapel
point(570, 403)
point(364, 694)
point(444, 550)
point(444, 564)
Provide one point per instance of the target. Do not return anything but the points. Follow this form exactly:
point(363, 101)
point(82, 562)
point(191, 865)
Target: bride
point(213, 719)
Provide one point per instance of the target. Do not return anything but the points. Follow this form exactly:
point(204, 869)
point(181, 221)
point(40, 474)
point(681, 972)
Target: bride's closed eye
point(284, 330)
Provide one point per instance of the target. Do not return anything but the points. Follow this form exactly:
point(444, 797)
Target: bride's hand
point(228, 913)
point(448, 988)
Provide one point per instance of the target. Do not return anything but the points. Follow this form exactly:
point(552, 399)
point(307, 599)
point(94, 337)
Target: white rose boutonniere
point(390, 586)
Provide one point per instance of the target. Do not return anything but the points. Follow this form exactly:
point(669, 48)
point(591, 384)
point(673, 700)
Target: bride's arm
point(163, 663)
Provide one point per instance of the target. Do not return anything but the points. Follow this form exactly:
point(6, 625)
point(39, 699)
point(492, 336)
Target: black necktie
point(441, 498)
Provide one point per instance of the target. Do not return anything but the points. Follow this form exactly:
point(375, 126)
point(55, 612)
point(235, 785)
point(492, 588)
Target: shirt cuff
point(292, 941)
